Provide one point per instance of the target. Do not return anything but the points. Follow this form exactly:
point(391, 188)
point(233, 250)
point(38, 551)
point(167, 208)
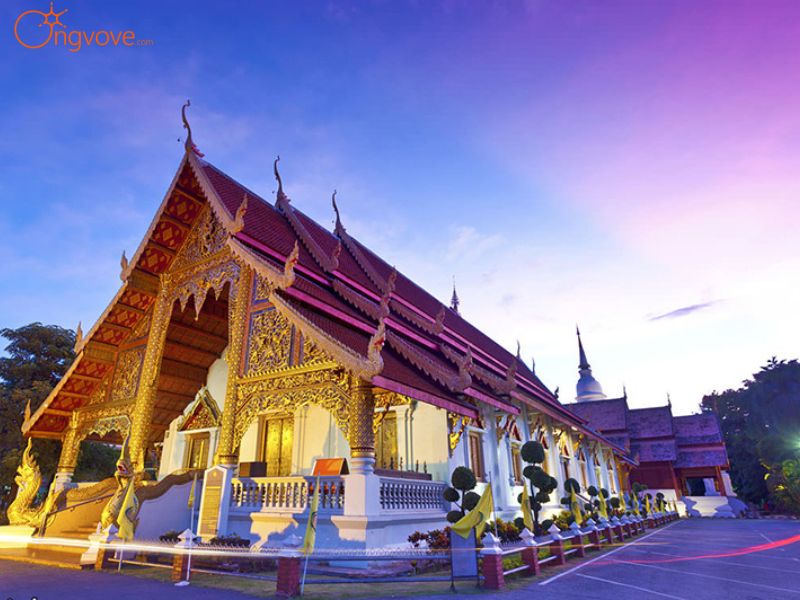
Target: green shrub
point(532, 452)
point(463, 479)
point(451, 495)
point(470, 501)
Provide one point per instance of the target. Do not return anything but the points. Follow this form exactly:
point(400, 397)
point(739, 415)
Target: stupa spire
point(454, 301)
point(588, 387)
point(582, 362)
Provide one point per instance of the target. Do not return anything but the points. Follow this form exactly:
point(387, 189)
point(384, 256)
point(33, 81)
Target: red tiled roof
point(697, 429)
point(654, 422)
point(706, 457)
point(355, 287)
point(654, 450)
point(603, 415)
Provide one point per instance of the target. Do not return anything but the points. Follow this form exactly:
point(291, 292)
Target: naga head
point(124, 465)
point(28, 469)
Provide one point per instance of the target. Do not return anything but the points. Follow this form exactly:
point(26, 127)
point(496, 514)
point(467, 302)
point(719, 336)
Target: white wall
point(174, 448)
point(428, 440)
point(217, 379)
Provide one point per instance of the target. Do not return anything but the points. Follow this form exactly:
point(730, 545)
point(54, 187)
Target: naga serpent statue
point(28, 480)
point(124, 474)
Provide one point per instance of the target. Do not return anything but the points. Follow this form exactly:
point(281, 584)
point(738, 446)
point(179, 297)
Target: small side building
point(681, 456)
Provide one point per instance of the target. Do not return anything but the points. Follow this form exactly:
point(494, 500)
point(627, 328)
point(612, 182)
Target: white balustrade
point(293, 494)
point(398, 494)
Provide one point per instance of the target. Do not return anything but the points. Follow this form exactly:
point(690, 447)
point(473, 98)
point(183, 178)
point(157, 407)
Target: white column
point(554, 457)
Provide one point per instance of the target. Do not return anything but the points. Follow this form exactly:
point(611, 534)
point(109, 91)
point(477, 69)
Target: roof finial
point(624, 391)
point(27, 415)
point(339, 227)
point(454, 301)
point(583, 363)
point(533, 365)
point(519, 350)
point(669, 400)
point(281, 195)
point(78, 336)
point(189, 143)
point(123, 263)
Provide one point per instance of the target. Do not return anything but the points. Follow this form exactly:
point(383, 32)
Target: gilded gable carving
point(203, 414)
point(142, 328)
point(206, 239)
point(126, 375)
point(100, 394)
point(263, 288)
point(270, 342)
point(312, 354)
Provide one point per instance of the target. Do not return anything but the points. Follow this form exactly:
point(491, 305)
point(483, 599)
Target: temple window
point(612, 480)
point(275, 444)
point(565, 467)
point(564, 455)
point(475, 444)
point(386, 442)
point(516, 463)
point(196, 451)
point(582, 466)
point(598, 472)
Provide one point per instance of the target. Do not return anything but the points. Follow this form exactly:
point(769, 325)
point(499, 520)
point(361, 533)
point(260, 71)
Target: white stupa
point(588, 388)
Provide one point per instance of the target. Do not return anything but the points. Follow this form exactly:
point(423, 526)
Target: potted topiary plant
point(541, 485)
point(463, 482)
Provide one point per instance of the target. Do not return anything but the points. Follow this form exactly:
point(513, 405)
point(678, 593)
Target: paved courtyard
point(688, 560)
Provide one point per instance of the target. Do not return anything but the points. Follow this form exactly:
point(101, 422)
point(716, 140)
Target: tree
point(761, 425)
point(37, 356)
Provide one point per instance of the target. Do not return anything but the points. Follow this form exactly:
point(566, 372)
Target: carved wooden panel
point(269, 347)
point(126, 376)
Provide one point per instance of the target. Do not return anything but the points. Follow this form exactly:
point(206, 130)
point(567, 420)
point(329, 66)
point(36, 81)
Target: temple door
point(386, 443)
point(277, 445)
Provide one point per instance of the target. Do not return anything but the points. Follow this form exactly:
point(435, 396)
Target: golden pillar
point(362, 436)
point(142, 414)
point(68, 459)
point(237, 328)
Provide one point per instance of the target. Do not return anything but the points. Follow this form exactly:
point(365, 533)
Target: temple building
point(251, 345)
point(681, 456)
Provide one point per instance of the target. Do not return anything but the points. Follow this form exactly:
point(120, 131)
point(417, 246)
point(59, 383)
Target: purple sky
point(630, 166)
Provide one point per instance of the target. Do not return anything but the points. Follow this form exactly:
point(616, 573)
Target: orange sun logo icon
point(46, 16)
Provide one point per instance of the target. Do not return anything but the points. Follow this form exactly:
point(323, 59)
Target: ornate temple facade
point(253, 346)
point(679, 456)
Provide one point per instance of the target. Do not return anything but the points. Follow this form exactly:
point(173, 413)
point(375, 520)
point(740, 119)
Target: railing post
point(627, 526)
point(577, 538)
point(608, 534)
point(530, 553)
point(98, 547)
point(492, 563)
point(594, 533)
point(615, 523)
point(557, 545)
point(180, 560)
point(640, 523)
point(288, 584)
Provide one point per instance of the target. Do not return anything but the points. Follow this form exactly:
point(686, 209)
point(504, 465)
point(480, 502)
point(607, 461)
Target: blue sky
point(600, 163)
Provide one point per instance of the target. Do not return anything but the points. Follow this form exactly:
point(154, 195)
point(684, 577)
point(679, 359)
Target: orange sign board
point(331, 466)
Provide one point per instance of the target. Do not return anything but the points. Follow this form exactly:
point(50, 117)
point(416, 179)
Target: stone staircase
point(722, 507)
